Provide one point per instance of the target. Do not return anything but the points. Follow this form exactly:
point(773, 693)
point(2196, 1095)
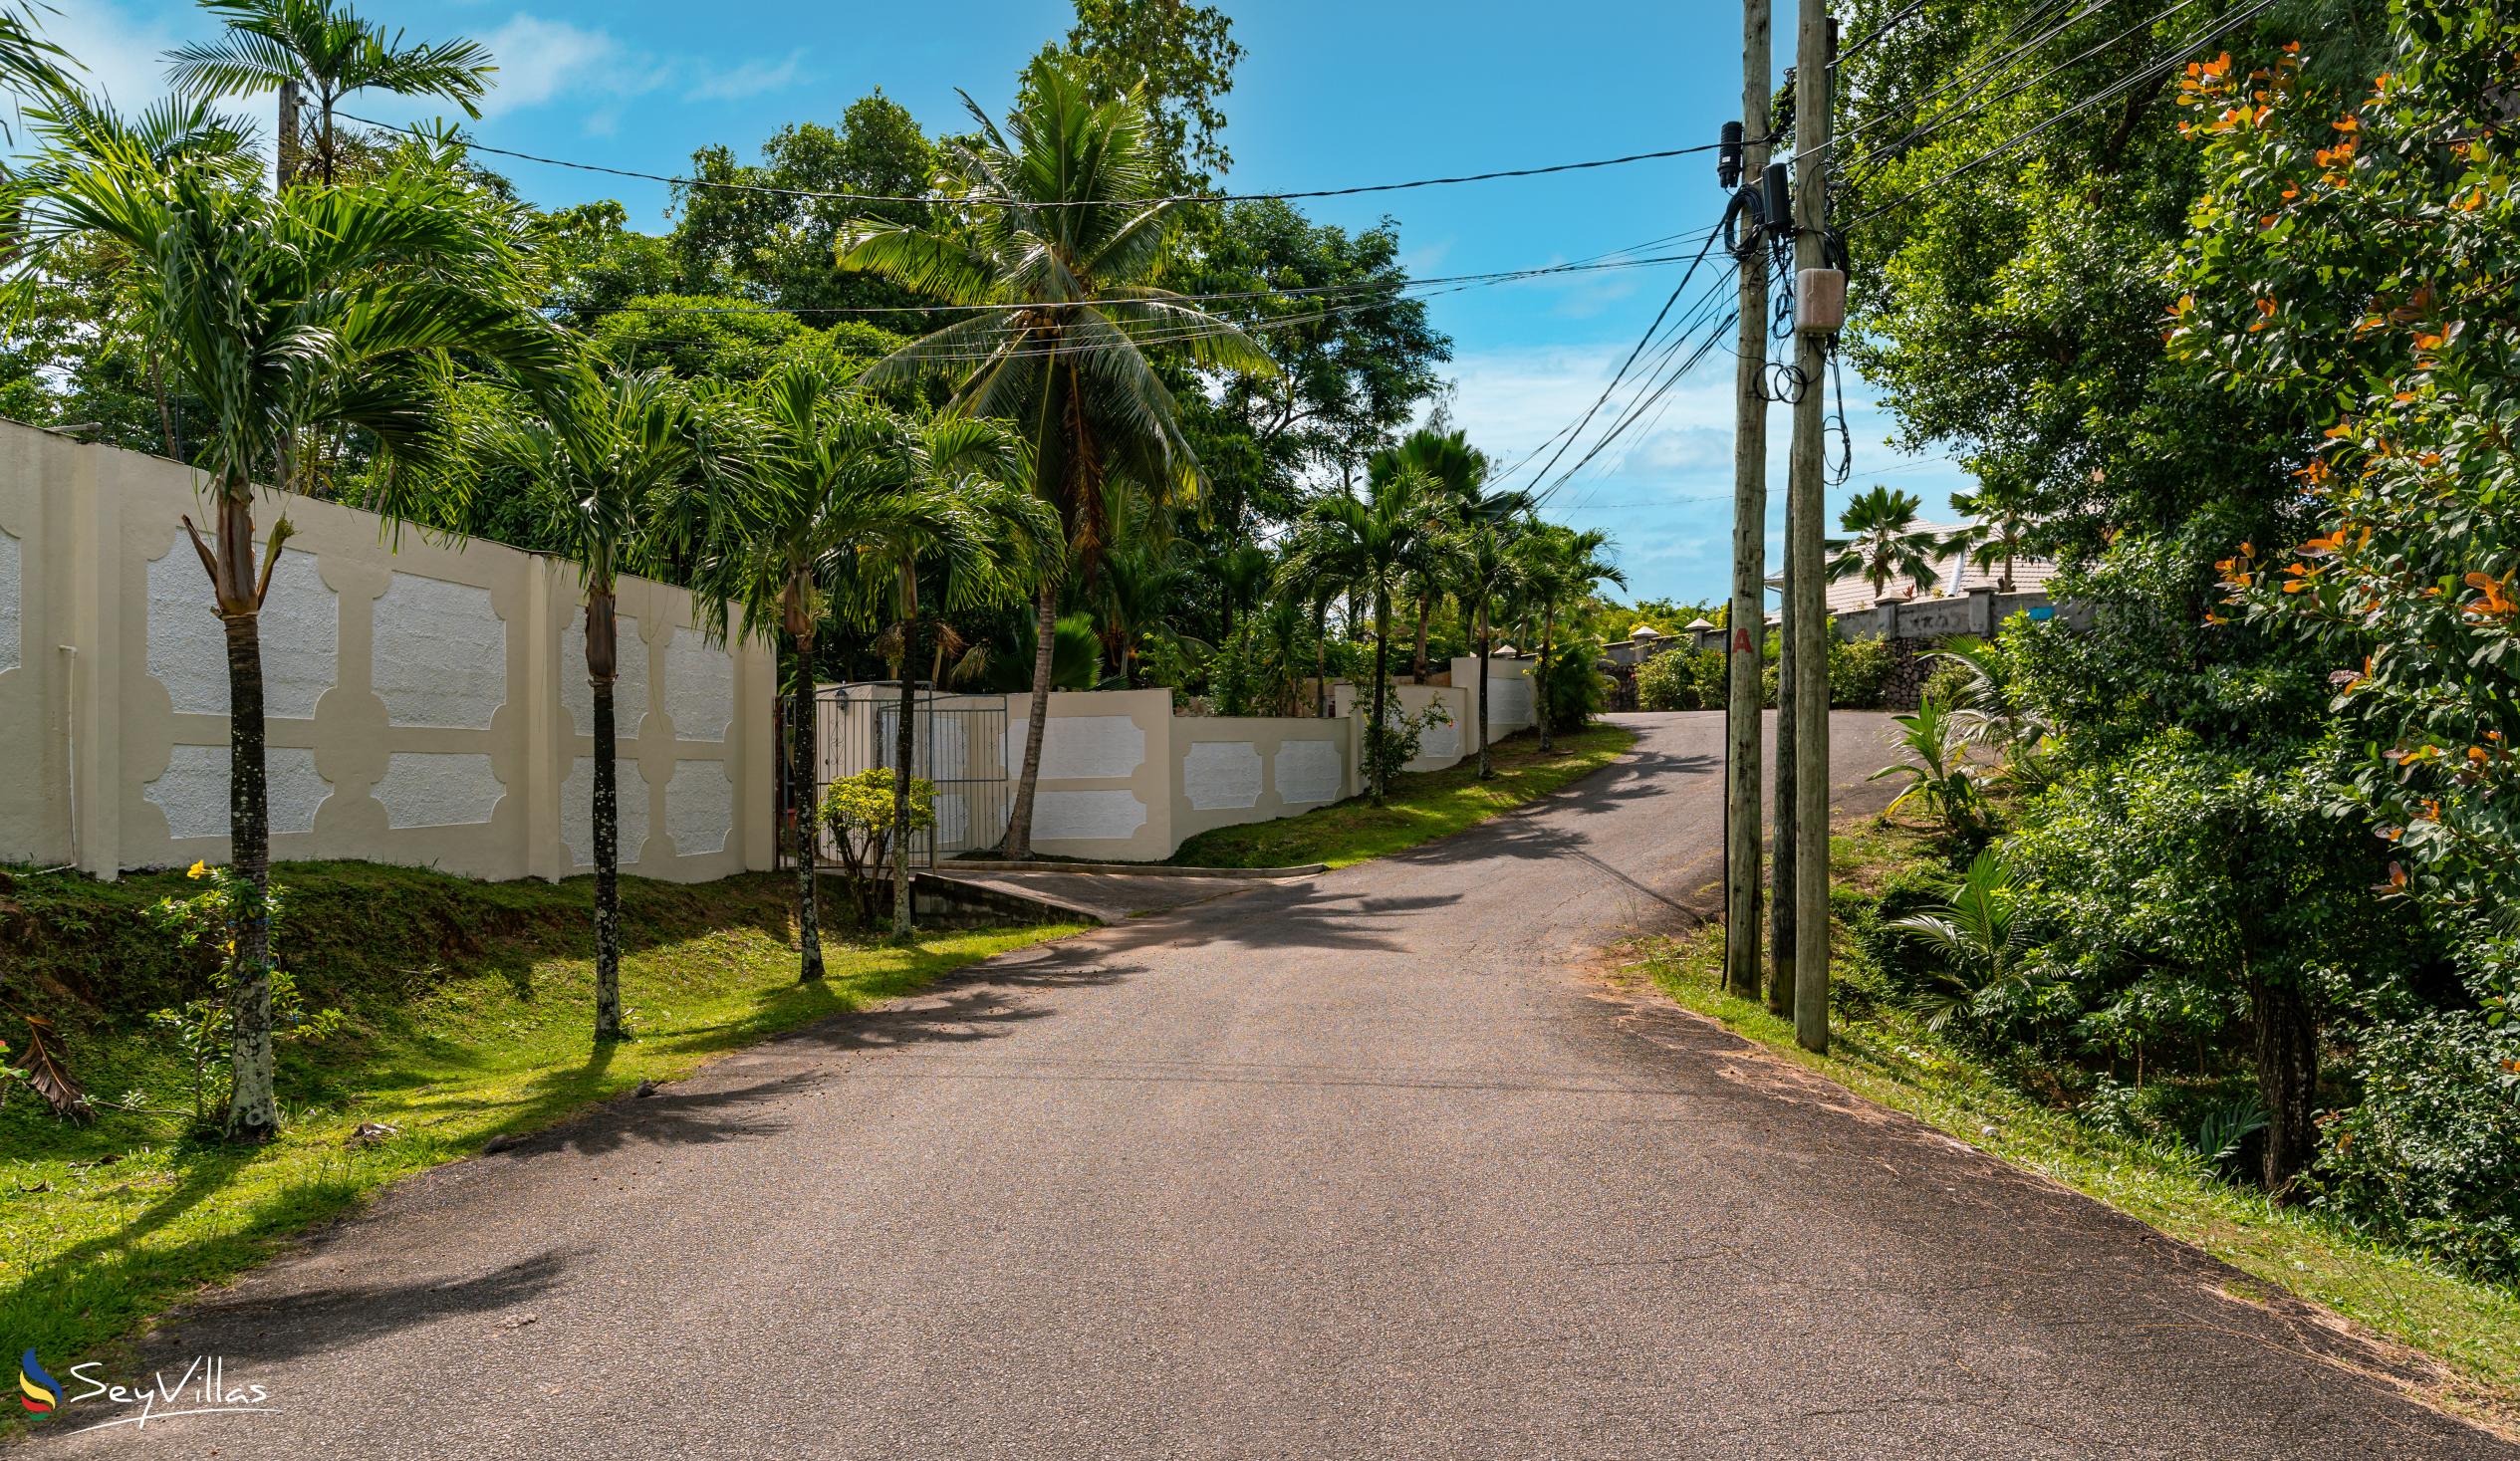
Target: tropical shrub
point(1938, 770)
point(1859, 672)
point(1572, 692)
point(204, 1028)
point(1682, 679)
point(857, 812)
point(1980, 943)
point(2188, 893)
point(2431, 1154)
point(1402, 736)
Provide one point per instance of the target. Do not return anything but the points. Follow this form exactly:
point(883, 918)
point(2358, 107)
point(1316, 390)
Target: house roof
point(1955, 576)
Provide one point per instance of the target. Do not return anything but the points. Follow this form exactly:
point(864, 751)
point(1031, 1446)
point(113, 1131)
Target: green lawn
point(470, 1004)
point(1885, 1055)
point(1421, 807)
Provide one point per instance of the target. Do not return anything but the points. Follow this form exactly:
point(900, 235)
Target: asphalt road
point(1363, 1166)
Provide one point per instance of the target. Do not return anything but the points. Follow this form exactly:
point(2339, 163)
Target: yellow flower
point(199, 869)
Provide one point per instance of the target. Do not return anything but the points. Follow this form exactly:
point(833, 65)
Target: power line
point(1596, 263)
point(1625, 365)
point(2114, 89)
point(1981, 102)
point(1013, 202)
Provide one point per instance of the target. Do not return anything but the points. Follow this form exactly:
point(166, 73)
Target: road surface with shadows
point(1357, 1166)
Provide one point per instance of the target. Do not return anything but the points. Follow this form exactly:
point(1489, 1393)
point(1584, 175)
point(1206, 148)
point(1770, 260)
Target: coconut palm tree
point(608, 453)
point(1559, 565)
point(1369, 545)
point(321, 49)
point(1884, 542)
point(317, 308)
point(1058, 226)
point(1997, 530)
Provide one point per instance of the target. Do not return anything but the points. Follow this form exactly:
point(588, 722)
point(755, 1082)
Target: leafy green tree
point(1177, 59)
point(323, 48)
point(752, 229)
point(1059, 227)
point(1560, 566)
point(1369, 545)
point(2351, 269)
point(607, 456)
point(1883, 542)
point(317, 308)
point(1356, 355)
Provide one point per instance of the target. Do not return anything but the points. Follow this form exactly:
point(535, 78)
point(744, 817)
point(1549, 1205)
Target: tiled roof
point(1955, 576)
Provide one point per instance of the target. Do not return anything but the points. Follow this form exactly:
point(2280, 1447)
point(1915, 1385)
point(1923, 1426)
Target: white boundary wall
point(1125, 779)
point(425, 704)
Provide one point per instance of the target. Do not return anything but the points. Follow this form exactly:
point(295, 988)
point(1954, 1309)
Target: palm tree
point(322, 48)
point(1369, 545)
point(1135, 592)
point(608, 454)
point(317, 308)
point(1884, 542)
point(1242, 575)
point(30, 65)
point(1456, 468)
point(1491, 569)
point(1997, 530)
point(1559, 566)
point(1059, 226)
point(954, 518)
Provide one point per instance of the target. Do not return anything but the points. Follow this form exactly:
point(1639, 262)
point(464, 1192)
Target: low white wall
point(1509, 697)
point(425, 704)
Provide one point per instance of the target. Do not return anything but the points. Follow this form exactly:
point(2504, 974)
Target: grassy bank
point(1884, 1053)
point(467, 1010)
point(1421, 806)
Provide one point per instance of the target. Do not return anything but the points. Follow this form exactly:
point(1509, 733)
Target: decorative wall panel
point(699, 807)
point(434, 789)
point(1310, 771)
point(194, 790)
point(440, 656)
point(187, 644)
point(1216, 775)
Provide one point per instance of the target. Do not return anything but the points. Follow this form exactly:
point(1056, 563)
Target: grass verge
point(1887, 1055)
point(468, 1007)
point(1421, 806)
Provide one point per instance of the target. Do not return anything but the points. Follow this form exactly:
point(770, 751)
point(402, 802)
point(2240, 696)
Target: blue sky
point(1330, 94)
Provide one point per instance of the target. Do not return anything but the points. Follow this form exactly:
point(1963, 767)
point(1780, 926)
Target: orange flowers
point(2493, 599)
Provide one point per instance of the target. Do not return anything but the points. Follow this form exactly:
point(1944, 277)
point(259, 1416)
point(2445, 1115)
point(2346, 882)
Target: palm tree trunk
point(1376, 731)
point(905, 765)
point(1487, 766)
point(1425, 610)
point(1540, 679)
point(253, 1112)
point(602, 666)
point(288, 162)
point(803, 754)
point(1320, 659)
point(1019, 821)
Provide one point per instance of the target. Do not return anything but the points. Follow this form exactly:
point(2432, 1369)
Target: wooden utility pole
point(1815, 47)
point(1745, 623)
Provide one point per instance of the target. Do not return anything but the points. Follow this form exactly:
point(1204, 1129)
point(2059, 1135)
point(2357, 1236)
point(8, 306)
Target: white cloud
point(123, 54)
point(541, 61)
point(751, 78)
point(1663, 489)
